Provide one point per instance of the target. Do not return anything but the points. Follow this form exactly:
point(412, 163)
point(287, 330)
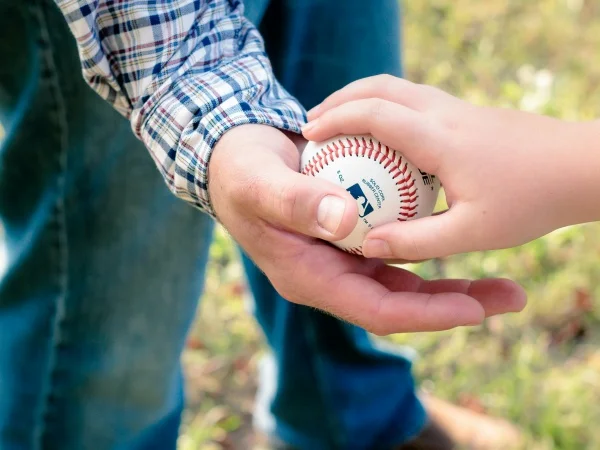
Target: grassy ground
point(539, 369)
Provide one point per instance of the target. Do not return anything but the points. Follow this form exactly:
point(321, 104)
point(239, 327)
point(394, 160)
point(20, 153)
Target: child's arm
point(509, 176)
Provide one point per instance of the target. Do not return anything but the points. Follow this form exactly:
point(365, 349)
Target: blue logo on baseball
point(364, 207)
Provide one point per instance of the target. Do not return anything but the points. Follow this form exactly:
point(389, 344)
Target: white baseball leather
point(385, 185)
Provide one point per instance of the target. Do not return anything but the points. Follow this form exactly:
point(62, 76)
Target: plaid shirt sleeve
point(183, 72)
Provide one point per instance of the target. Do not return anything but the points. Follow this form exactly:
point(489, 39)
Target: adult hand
point(509, 176)
point(280, 216)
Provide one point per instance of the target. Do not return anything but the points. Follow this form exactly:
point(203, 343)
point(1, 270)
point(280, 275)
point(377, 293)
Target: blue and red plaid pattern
point(183, 72)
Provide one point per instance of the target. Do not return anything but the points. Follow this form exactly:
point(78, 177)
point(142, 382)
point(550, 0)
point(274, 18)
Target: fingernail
point(314, 111)
point(309, 126)
point(376, 248)
point(330, 213)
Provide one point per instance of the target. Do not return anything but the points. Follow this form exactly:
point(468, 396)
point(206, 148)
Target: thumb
point(425, 238)
point(305, 204)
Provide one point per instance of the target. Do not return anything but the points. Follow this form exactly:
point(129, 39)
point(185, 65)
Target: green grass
point(540, 368)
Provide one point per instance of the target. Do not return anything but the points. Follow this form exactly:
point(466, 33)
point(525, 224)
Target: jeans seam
point(59, 221)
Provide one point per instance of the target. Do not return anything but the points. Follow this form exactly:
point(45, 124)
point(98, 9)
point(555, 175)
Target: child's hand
point(509, 176)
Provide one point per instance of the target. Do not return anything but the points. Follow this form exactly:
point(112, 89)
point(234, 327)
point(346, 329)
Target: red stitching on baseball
point(355, 250)
point(405, 184)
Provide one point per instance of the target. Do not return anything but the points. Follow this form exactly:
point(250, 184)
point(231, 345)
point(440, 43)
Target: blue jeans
point(104, 266)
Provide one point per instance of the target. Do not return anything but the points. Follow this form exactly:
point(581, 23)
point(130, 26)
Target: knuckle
point(378, 324)
point(405, 247)
point(287, 203)
point(334, 119)
point(376, 110)
point(384, 86)
point(385, 80)
point(428, 89)
point(415, 249)
point(328, 119)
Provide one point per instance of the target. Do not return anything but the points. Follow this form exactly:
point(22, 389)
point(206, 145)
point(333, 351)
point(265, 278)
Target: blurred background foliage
point(541, 368)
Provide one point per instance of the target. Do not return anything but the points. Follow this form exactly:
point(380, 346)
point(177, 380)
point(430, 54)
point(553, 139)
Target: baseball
point(384, 184)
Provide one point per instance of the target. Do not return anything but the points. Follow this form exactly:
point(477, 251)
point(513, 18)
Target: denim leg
point(327, 386)
point(104, 266)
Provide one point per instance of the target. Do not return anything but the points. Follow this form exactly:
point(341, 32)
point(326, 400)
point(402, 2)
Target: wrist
point(238, 157)
point(224, 157)
point(580, 164)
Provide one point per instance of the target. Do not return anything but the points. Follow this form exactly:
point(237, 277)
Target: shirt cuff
point(189, 116)
point(237, 114)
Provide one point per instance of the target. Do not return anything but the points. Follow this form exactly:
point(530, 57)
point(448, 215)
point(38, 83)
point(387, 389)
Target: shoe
point(433, 437)
point(469, 429)
point(451, 427)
